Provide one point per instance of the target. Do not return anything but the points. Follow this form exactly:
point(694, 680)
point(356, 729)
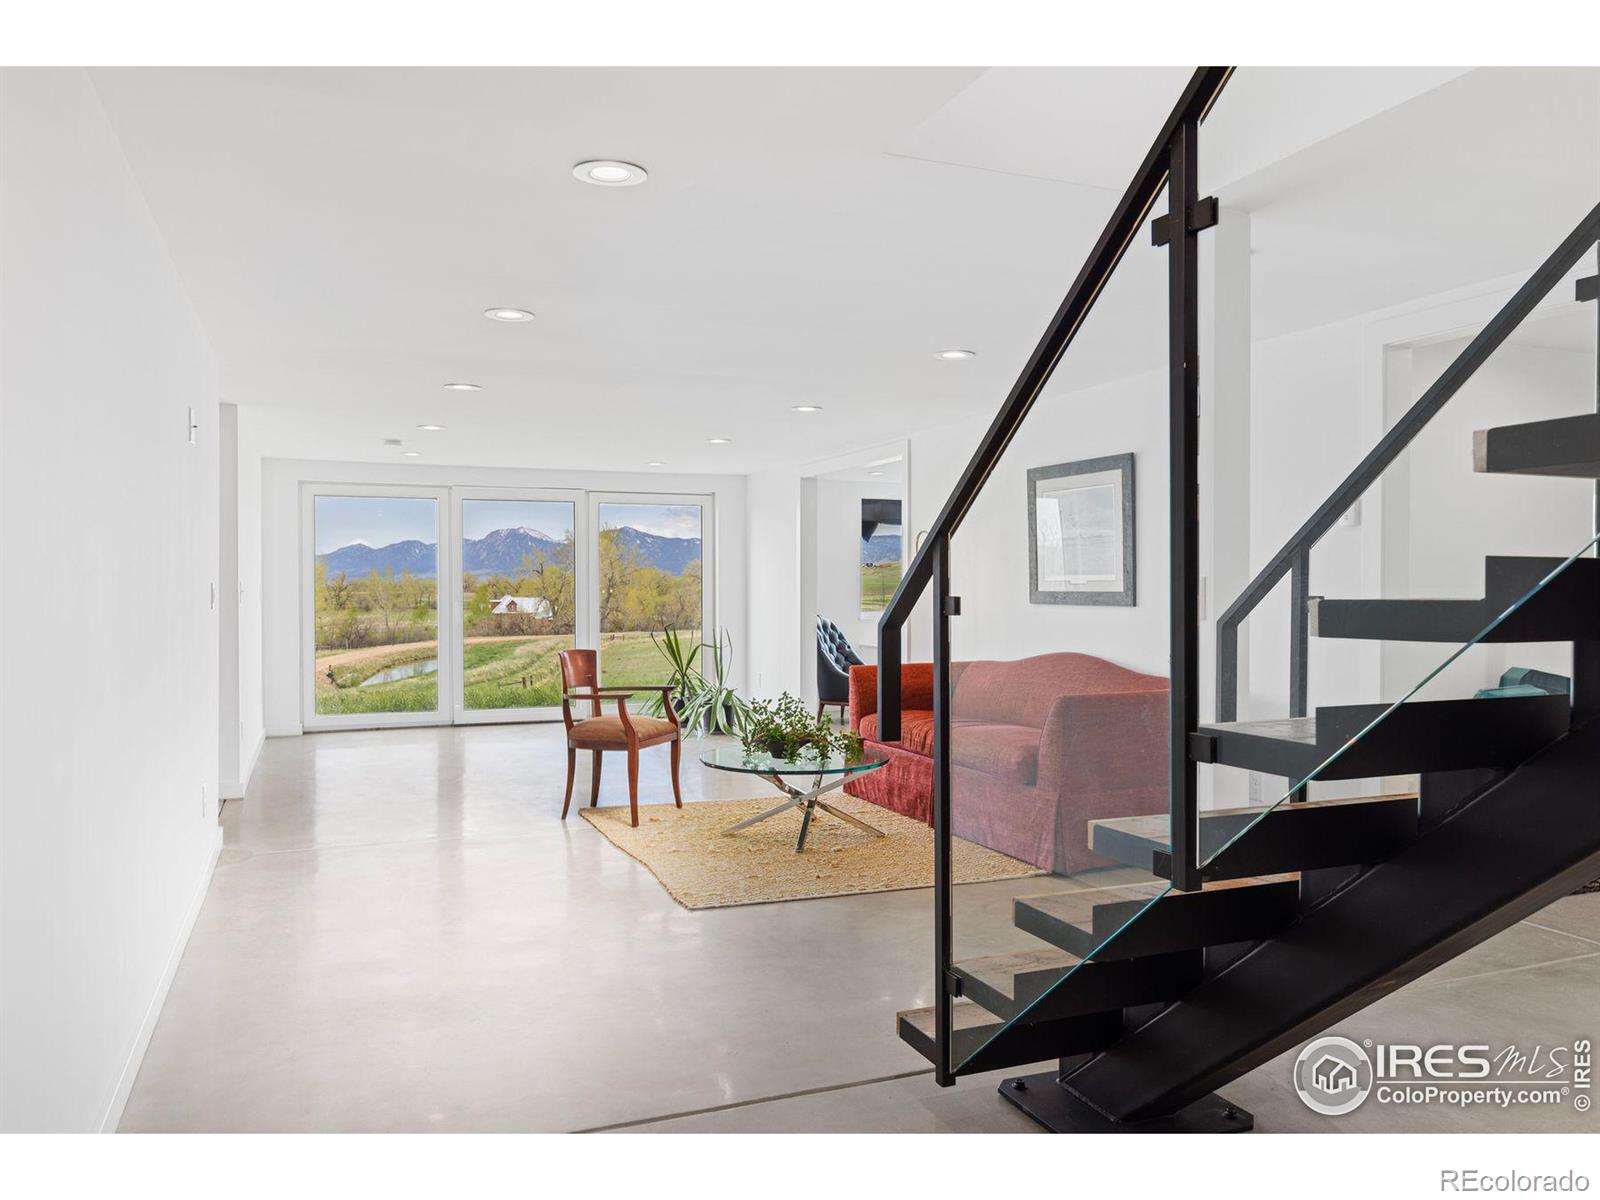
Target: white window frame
point(451, 709)
point(583, 571)
point(449, 624)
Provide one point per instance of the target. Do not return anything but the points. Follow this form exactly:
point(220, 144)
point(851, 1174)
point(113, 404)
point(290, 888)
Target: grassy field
point(498, 673)
point(878, 583)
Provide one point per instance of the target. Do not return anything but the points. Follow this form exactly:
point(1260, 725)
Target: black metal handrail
point(1126, 221)
point(1172, 159)
point(1295, 557)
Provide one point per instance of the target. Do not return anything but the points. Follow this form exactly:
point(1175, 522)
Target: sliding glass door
point(653, 558)
point(438, 605)
point(517, 565)
point(372, 607)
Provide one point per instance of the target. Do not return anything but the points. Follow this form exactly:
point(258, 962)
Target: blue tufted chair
point(834, 660)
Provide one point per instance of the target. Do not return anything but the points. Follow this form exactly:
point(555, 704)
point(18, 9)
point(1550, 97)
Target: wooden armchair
point(625, 731)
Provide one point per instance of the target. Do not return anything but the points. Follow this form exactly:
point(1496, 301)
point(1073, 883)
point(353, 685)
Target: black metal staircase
point(1233, 933)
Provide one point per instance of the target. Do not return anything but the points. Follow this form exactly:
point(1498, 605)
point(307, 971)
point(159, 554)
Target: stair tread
point(1157, 827)
point(1000, 971)
point(1520, 599)
point(1077, 907)
point(1282, 729)
point(1564, 446)
point(964, 1015)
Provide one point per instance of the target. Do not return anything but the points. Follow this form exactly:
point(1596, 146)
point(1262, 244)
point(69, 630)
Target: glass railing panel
point(1059, 701)
point(1335, 293)
point(1470, 672)
point(1338, 295)
point(1541, 716)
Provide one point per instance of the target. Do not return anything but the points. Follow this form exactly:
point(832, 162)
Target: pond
point(406, 671)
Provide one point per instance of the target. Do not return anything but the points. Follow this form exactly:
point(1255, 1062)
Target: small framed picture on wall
point(1080, 532)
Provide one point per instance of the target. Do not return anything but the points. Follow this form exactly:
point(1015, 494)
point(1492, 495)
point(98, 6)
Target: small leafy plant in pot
point(785, 728)
point(704, 704)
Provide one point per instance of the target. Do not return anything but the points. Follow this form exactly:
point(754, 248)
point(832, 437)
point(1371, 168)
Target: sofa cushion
point(916, 730)
point(1022, 692)
point(1008, 752)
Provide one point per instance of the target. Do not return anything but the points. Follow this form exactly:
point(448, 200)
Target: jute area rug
point(701, 867)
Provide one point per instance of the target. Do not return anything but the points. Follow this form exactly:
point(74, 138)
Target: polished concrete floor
point(401, 935)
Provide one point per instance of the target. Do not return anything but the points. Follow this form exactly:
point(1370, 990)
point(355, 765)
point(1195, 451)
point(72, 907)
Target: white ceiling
point(807, 236)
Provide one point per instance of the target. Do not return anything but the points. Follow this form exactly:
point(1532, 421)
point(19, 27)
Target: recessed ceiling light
point(718, 441)
point(412, 453)
point(808, 408)
point(655, 464)
point(509, 315)
point(608, 172)
point(431, 428)
point(463, 387)
point(956, 355)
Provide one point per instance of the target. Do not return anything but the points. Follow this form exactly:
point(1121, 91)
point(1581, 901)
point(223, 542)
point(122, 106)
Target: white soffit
point(1091, 126)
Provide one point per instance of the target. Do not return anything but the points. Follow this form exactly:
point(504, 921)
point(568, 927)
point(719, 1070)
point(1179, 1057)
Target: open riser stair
point(1216, 938)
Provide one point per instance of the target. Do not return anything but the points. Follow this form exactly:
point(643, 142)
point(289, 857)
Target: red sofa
point(1039, 747)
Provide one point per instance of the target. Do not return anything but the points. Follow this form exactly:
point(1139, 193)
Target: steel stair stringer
point(1528, 840)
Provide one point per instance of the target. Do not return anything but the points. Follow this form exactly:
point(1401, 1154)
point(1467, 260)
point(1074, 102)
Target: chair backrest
point(580, 669)
point(836, 646)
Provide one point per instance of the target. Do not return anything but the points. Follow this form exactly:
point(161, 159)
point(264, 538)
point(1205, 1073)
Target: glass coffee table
point(828, 773)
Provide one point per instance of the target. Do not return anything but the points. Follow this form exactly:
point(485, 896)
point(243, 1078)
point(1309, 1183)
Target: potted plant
point(704, 704)
point(785, 728)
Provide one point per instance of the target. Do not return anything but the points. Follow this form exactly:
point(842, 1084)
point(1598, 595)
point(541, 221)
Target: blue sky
point(665, 520)
point(382, 520)
point(375, 520)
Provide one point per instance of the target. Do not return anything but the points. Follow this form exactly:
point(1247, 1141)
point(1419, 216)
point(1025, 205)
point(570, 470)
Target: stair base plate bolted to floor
point(1044, 1099)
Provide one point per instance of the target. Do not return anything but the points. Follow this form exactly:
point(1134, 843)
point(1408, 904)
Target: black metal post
point(1227, 672)
point(1589, 289)
point(1183, 364)
point(889, 683)
point(1299, 642)
point(944, 1069)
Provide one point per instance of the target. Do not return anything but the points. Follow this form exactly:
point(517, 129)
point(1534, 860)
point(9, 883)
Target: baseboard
point(147, 1027)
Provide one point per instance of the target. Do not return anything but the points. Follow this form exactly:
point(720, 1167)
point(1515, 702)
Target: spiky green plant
point(704, 703)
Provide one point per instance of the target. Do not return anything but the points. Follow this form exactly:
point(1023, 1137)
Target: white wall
point(239, 722)
point(108, 645)
point(252, 720)
point(281, 578)
point(1306, 435)
point(773, 654)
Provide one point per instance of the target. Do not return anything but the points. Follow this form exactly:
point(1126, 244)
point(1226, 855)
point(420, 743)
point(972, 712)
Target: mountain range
point(880, 548)
point(502, 551)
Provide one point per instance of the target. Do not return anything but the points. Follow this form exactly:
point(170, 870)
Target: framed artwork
point(1080, 532)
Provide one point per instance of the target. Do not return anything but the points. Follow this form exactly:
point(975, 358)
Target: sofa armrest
point(916, 690)
point(1112, 744)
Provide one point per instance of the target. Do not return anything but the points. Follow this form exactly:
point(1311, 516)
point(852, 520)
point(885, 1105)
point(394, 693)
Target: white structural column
point(1225, 510)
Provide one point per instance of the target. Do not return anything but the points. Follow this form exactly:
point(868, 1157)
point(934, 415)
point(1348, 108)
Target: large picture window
point(519, 601)
point(651, 576)
point(375, 605)
point(428, 605)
